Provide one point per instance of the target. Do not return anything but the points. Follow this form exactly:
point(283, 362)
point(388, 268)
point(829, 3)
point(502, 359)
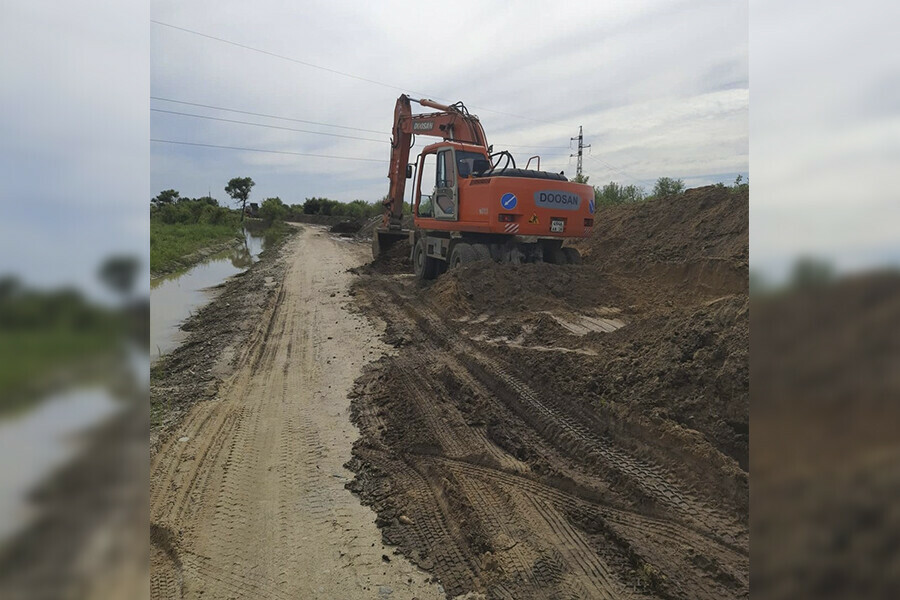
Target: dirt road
point(247, 493)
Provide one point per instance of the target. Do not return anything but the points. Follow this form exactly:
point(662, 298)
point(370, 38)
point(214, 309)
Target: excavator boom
point(453, 123)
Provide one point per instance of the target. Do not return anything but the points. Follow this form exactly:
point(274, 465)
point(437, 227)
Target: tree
point(581, 178)
point(239, 189)
point(273, 209)
point(120, 273)
point(207, 200)
point(666, 186)
point(810, 272)
point(613, 193)
point(166, 197)
point(311, 206)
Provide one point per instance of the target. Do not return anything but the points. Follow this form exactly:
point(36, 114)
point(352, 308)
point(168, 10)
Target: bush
point(188, 211)
point(666, 186)
point(357, 209)
point(273, 209)
point(612, 193)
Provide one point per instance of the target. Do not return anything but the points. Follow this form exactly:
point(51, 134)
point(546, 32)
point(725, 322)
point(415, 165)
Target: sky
point(74, 149)
point(660, 88)
point(824, 134)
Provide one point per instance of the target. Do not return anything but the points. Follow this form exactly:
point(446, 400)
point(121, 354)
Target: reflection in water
point(175, 297)
point(36, 442)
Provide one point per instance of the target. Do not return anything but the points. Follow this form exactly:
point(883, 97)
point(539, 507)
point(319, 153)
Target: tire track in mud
point(250, 488)
point(544, 415)
point(542, 540)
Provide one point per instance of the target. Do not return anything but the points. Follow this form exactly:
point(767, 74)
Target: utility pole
point(581, 147)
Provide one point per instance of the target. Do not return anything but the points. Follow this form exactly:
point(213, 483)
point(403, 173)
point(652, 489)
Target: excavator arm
point(453, 123)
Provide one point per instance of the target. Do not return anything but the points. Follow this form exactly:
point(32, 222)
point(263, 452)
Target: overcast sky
point(661, 88)
point(74, 153)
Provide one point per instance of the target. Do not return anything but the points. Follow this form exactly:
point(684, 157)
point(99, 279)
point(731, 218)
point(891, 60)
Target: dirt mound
point(393, 260)
point(493, 287)
point(706, 222)
point(825, 446)
point(346, 227)
point(571, 430)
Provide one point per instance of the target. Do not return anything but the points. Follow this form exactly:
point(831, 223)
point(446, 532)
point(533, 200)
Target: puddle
point(35, 443)
point(174, 297)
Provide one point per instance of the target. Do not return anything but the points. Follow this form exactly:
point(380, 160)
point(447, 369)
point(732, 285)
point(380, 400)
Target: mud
point(216, 335)
point(247, 496)
point(570, 431)
point(393, 260)
point(825, 445)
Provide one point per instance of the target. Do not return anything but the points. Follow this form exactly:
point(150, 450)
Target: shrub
point(612, 193)
point(273, 209)
point(666, 186)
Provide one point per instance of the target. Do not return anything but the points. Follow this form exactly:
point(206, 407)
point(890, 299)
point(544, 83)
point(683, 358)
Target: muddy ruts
point(547, 418)
point(518, 533)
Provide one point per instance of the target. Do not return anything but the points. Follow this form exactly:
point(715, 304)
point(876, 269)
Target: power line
point(612, 168)
point(336, 72)
point(349, 137)
point(255, 114)
point(266, 151)
point(531, 146)
point(268, 116)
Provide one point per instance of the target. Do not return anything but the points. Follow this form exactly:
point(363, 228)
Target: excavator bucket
point(383, 239)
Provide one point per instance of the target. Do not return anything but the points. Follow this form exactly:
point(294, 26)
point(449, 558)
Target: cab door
point(446, 198)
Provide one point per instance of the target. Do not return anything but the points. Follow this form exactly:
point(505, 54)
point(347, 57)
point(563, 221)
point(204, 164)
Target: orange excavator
point(470, 203)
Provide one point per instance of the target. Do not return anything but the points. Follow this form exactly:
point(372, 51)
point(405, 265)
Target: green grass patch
point(171, 242)
point(28, 358)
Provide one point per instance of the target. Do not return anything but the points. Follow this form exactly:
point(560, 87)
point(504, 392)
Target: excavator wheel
point(425, 266)
point(573, 257)
point(555, 256)
point(462, 254)
point(482, 251)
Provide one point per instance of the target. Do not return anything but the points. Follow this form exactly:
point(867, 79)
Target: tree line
point(169, 206)
point(613, 193)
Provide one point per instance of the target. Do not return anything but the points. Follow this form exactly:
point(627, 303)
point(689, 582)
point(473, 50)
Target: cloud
point(824, 142)
point(74, 148)
point(559, 68)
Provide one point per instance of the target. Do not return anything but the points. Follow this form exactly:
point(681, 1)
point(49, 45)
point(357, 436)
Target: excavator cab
point(443, 166)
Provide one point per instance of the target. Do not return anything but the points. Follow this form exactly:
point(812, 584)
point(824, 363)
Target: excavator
point(470, 203)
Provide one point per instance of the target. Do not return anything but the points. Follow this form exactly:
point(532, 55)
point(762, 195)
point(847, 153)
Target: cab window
point(429, 164)
point(445, 172)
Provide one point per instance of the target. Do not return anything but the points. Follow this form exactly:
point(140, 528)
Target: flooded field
point(174, 297)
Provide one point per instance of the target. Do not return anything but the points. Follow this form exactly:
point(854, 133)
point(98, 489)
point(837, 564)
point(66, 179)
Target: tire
point(555, 256)
point(573, 257)
point(462, 254)
point(482, 252)
point(425, 266)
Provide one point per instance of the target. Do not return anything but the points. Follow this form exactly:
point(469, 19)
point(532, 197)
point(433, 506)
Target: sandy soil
point(248, 495)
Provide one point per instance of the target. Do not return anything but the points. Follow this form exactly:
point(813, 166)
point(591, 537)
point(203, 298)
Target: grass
point(169, 243)
point(28, 358)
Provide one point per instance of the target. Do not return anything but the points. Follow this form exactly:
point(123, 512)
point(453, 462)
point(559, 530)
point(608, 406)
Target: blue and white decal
point(508, 201)
point(591, 206)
